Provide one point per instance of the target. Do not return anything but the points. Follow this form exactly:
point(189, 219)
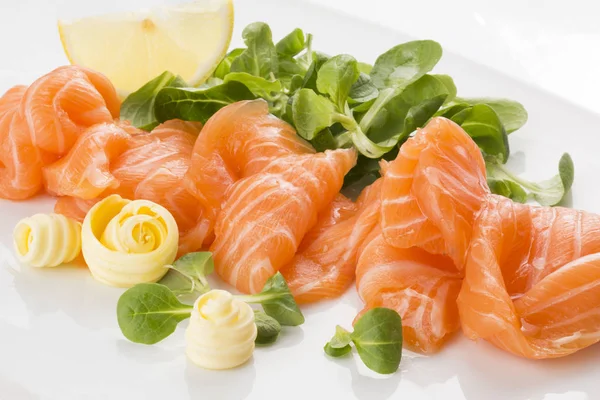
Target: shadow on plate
point(290, 336)
point(14, 390)
point(366, 384)
point(373, 388)
point(158, 353)
point(69, 289)
point(483, 371)
point(234, 383)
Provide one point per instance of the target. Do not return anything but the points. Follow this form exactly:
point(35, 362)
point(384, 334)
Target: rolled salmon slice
point(420, 286)
point(85, 171)
point(20, 161)
point(266, 215)
point(532, 283)
point(149, 166)
point(324, 266)
point(433, 190)
point(60, 105)
point(40, 124)
point(238, 141)
point(154, 169)
point(11, 99)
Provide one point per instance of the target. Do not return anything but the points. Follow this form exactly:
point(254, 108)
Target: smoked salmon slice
point(428, 239)
point(432, 191)
point(85, 171)
point(532, 274)
point(420, 286)
point(324, 266)
point(532, 283)
point(20, 176)
point(266, 215)
point(154, 169)
point(11, 99)
point(40, 124)
point(74, 207)
point(118, 159)
point(238, 141)
point(60, 105)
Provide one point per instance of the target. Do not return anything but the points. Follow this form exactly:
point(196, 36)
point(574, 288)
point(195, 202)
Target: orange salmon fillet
point(420, 286)
point(532, 284)
point(324, 266)
point(41, 123)
point(116, 158)
point(238, 141)
point(433, 190)
point(266, 215)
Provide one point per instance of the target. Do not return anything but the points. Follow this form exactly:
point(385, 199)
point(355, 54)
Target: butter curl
point(128, 242)
point(47, 240)
point(221, 332)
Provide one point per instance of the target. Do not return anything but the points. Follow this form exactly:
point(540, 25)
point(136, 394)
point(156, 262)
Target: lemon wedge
point(132, 48)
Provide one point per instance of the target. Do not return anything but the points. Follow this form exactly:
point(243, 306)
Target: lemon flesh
point(131, 48)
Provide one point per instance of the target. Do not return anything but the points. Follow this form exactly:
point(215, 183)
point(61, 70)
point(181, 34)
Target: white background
point(58, 332)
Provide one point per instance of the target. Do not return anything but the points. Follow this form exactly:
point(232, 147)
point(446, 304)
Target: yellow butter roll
point(128, 242)
point(221, 332)
point(47, 240)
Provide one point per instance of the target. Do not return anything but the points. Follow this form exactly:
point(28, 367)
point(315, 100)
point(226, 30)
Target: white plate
point(59, 337)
